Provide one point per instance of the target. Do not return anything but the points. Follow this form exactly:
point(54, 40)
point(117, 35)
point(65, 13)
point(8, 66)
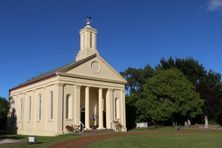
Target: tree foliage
point(206, 83)
point(4, 108)
point(167, 95)
point(136, 78)
point(192, 69)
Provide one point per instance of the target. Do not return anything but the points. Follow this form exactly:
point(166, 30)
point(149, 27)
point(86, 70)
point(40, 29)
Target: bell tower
point(87, 41)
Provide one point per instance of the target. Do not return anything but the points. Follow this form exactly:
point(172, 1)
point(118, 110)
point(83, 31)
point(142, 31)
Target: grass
point(43, 141)
point(164, 138)
point(139, 138)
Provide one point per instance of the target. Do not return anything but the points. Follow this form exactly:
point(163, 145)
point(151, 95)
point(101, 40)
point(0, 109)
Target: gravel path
point(85, 140)
point(9, 141)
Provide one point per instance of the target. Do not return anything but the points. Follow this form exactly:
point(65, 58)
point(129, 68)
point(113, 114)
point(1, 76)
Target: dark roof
point(40, 77)
point(53, 72)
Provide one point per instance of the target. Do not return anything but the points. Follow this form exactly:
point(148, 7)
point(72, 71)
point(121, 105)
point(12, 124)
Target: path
point(9, 141)
point(85, 140)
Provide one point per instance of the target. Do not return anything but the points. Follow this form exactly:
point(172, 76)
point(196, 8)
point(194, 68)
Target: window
point(40, 107)
point(84, 41)
point(21, 108)
point(51, 105)
point(90, 40)
point(117, 108)
point(69, 107)
point(30, 107)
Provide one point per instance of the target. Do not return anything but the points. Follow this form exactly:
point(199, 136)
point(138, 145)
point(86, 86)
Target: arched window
point(40, 107)
point(84, 41)
point(68, 106)
point(30, 107)
point(91, 35)
point(117, 108)
point(51, 105)
point(21, 108)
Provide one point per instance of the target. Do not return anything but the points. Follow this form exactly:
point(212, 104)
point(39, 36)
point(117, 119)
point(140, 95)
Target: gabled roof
point(52, 73)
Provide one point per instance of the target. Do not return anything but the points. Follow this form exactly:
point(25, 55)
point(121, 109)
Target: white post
point(87, 126)
point(108, 108)
point(77, 113)
point(100, 109)
point(205, 122)
point(111, 108)
point(123, 110)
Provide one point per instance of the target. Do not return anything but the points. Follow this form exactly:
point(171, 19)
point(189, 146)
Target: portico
point(96, 101)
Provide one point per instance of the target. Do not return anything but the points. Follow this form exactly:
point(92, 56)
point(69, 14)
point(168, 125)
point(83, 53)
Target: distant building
point(87, 91)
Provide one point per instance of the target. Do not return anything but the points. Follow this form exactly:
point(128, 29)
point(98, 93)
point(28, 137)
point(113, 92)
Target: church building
point(87, 92)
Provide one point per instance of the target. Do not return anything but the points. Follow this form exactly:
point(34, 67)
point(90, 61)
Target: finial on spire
point(88, 20)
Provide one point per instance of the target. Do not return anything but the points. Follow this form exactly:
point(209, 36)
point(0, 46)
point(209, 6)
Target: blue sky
point(40, 35)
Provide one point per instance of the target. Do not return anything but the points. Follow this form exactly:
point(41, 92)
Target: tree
point(168, 95)
point(208, 84)
point(192, 69)
point(4, 108)
point(130, 111)
point(136, 78)
point(211, 91)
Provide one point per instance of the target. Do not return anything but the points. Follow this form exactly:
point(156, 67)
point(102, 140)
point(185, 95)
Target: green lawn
point(43, 141)
point(147, 138)
point(164, 138)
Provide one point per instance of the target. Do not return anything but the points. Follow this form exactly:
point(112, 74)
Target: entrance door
point(104, 119)
point(83, 115)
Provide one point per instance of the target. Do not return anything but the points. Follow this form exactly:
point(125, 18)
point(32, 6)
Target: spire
point(87, 41)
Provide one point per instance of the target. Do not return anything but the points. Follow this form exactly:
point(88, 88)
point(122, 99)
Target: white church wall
point(19, 111)
point(40, 121)
point(116, 101)
point(69, 90)
point(45, 126)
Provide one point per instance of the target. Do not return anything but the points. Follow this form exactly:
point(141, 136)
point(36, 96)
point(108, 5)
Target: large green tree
point(207, 82)
point(168, 95)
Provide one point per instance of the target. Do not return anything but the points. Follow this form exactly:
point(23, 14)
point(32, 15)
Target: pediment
point(94, 67)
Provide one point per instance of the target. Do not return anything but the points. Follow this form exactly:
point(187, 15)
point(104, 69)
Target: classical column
point(87, 126)
point(111, 108)
point(123, 110)
point(100, 109)
point(77, 113)
point(108, 109)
